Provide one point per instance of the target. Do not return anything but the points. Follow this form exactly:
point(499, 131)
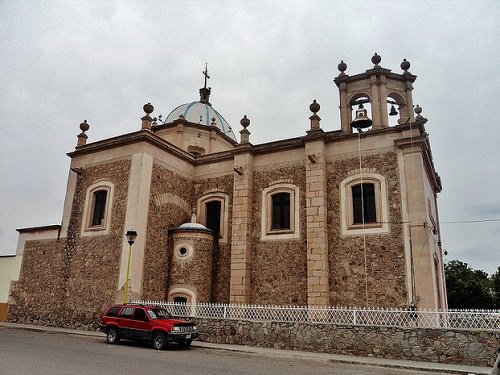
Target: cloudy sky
point(66, 61)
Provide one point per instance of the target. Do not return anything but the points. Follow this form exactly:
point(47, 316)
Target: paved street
point(31, 352)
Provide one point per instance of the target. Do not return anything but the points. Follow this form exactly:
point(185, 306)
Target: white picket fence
point(455, 319)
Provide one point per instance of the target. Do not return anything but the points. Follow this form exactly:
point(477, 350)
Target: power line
point(470, 221)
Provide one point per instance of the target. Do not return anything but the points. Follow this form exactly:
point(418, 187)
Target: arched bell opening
point(361, 113)
point(396, 109)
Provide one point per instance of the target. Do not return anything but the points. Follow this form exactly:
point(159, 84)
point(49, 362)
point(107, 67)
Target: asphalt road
point(30, 352)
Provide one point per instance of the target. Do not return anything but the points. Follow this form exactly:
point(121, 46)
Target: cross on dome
point(205, 73)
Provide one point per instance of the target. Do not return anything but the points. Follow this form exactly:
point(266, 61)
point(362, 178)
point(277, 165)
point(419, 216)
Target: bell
point(361, 121)
point(393, 111)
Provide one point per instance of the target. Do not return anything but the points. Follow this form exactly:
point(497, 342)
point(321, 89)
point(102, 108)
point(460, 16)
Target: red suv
point(146, 323)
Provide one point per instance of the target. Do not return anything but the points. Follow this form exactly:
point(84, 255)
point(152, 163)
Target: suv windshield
point(157, 313)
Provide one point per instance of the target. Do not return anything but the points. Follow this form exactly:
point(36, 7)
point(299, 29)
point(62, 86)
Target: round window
point(183, 251)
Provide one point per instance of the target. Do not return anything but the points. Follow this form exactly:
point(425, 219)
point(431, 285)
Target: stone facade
point(475, 348)
point(278, 265)
point(69, 282)
point(385, 273)
point(166, 175)
point(164, 214)
point(221, 274)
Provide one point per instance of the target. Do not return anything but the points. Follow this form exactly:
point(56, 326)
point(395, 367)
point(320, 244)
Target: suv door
point(125, 321)
point(140, 326)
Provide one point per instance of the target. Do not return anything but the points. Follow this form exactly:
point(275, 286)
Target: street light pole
point(131, 236)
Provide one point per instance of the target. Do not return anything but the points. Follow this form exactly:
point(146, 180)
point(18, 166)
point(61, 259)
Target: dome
point(201, 113)
point(192, 226)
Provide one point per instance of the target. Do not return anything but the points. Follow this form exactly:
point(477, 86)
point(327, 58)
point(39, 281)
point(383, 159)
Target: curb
point(295, 354)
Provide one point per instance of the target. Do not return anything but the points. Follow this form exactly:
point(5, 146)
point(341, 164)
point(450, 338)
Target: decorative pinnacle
point(245, 122)
point(342, 67)
point(376, 60)
point(84, 126)
point(314, 107)
point(82, 137)
point(418, 110)
point(148, 108)
point(405, 65)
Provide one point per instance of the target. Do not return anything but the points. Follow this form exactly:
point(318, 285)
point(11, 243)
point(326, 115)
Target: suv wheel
point(112, 336)
point(159, 341)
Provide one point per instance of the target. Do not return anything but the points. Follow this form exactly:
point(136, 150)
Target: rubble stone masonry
point(279, 267)
point(164, 214)
point(69, 282)
point(221, 274)
point(385, 259)
point(467, 347)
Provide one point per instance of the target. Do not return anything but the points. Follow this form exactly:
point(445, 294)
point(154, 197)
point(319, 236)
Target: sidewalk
point(323, 357)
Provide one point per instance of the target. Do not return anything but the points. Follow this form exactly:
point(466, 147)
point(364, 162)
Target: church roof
point(201, 113)
point(192, 226)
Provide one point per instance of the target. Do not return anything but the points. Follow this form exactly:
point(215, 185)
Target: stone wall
point(476, 348)
point(221, 274)
point(194, 268)
point(279, 268)
point(164, 214)
point(69, 282)
point(384, 252)
point(38, 295)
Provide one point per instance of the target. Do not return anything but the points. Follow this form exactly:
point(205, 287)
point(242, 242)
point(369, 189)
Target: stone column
point(318, 289)
point(241, 227)
point(137, 219)
point(375, 101)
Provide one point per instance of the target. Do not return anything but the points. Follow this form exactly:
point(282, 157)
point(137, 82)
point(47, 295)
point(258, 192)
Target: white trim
point(97, 230)
point(201, 210)
point(188, 247)
point(188, 292)
point(268, 234)
point(381, 201)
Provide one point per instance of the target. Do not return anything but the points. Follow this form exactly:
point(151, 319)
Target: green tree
point(468, 288)
point(495, 278)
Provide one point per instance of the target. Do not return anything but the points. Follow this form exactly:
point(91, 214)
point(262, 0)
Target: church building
point(330, 218)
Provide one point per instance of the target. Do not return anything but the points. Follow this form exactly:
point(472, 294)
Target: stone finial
point(342, 67)
point(405, 65)
point(147, 120)
point(245, 134)
point(193, 215)
point(314, 107)
point(376, 60)
point(82, 137)
point(148, 108)
point(213, 123)
point(418, 111)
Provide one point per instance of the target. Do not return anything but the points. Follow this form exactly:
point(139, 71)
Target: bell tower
point(378, 87)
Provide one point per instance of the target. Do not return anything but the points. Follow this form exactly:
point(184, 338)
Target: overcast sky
point(66, 61)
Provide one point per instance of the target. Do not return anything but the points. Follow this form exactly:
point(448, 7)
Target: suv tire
point(159, 340)
point(112, 336)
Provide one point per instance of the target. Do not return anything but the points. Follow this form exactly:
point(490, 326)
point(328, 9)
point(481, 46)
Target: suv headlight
point(194, 328)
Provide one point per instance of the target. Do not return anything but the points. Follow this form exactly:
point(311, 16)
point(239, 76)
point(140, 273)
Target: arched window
point(97, 211)
point(213, 212)
point(364, 207)
point(280, 212)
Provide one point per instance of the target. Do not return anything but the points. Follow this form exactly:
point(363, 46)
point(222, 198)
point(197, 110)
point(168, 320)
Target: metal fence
point(455, 319)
